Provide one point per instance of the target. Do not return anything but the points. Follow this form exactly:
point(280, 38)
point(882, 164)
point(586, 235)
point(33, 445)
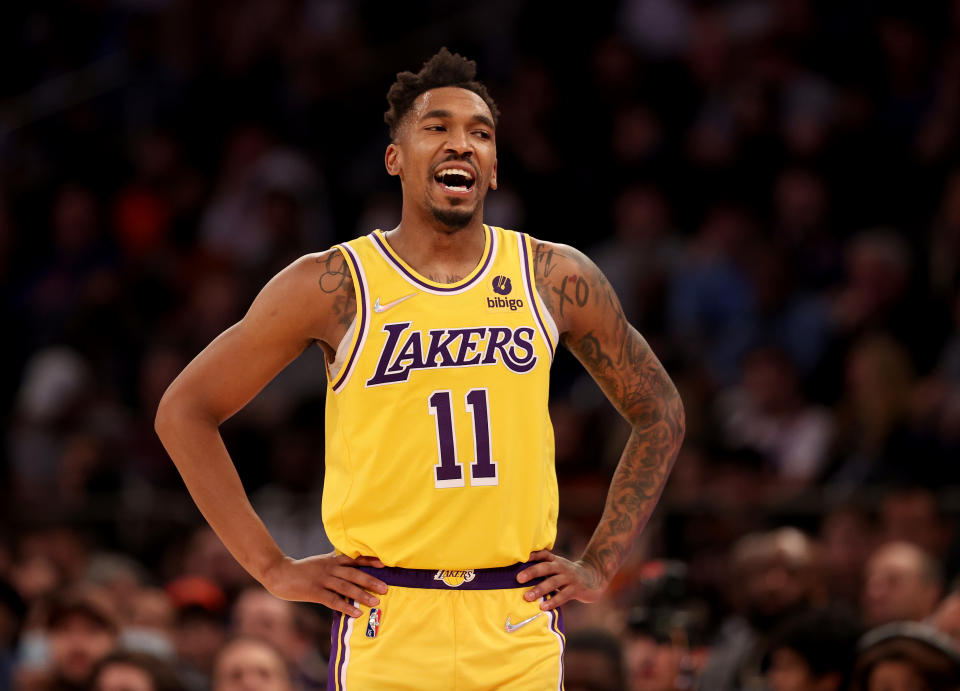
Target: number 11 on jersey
point(449, 473)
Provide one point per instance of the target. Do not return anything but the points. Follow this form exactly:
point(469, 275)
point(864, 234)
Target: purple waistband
point(473, 579)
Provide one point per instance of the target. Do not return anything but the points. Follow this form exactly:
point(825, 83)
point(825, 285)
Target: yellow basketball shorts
point(449, 631)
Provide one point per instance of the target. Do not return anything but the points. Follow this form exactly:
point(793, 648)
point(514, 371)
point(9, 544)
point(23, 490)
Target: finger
point(361, 578)
point(541, 555)
point(344, 587)
point(544, 568)
point(338, 604)
point(369, 561)
point(558, 599)
point(547, 587)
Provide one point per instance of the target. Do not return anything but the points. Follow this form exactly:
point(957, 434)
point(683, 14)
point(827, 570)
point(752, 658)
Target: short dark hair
point(161, 673)
point(825, 639)
point(443, 69)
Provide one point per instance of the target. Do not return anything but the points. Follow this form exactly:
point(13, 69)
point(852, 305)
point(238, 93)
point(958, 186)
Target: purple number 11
point(449, 473)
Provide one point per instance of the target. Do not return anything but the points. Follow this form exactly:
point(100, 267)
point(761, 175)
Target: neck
point(437, 251)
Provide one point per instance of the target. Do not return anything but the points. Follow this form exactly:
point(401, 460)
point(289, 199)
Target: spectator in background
point(664, 648)
point(150, 628)
point(767, 412)
point(82, 630)
point(259, 614)
point(134, 671)
point(13, 611)
point(199, 628)
point(772, 576)
point(946, 618)
point(913, 514)
point(871, 432)
point(792, 320)
point(642, 255)
point(710, 304)
point(593, 661)
point(247, 663)
point(847, 538)
point(906, 656)
point(813, 651)
point(801, 226)
point(902, 583)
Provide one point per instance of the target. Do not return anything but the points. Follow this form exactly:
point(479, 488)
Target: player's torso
point(439, 445)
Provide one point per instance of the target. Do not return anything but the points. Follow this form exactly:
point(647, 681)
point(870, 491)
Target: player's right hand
point(326, 579)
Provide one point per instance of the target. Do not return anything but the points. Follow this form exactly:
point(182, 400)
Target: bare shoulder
point(317, 292)
point(571, 285)
point(596, 330)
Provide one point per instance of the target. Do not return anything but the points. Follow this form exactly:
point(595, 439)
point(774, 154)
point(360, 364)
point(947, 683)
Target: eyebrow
point(440, 113)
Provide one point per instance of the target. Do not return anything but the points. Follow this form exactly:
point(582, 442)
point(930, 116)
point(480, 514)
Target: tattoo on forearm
point(634, 380)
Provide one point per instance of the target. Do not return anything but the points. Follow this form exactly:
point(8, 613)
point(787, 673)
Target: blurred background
point(772, 187)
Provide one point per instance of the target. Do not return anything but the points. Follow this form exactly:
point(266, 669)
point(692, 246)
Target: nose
point(458, 142)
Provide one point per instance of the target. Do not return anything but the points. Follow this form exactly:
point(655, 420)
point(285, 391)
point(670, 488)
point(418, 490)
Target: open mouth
point(455, 180)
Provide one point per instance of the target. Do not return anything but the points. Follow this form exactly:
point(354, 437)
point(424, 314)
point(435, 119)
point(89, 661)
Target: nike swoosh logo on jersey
point(510, 628)
point(377, 307)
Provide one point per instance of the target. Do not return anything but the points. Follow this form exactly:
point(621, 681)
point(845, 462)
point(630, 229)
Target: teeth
point(455, 171)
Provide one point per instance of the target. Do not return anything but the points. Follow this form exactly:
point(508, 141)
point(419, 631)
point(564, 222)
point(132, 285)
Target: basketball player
point(440, 494)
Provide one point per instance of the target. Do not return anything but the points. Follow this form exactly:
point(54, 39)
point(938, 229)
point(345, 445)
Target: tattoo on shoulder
point(335, 272)
point(335, 280)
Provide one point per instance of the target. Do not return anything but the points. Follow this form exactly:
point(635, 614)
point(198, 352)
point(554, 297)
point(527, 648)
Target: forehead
point(460, 102)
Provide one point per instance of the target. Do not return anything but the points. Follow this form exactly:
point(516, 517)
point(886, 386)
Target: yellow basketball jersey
point(439, 447)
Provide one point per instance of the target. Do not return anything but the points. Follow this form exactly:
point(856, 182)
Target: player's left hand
point(572, 580)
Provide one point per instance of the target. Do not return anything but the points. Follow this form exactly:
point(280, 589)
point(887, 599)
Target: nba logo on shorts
point(373, 623)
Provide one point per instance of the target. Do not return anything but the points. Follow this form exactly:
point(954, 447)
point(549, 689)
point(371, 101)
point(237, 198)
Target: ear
point(391, 159)
point(493, 178)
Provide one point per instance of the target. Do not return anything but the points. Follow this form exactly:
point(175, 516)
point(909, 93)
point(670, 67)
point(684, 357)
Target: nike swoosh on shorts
point(510, 628)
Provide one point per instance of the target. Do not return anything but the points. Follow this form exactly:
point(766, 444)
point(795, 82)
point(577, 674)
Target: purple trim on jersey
point(387, 252)
point(483, 579)
point(527, 275)
point(361, 321)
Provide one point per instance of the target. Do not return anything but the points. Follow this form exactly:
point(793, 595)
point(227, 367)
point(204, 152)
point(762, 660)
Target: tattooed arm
point(593, 327)
point(311, 301)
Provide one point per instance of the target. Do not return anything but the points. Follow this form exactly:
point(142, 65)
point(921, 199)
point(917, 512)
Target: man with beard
point(771, 578)
point(440, 479)
point(82, 630)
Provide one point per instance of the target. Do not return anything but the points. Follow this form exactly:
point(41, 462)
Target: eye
point(435, 128)
point(483, 134)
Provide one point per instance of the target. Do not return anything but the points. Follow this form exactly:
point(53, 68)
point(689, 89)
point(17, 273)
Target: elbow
point(163, 421)
point(673, 412)
point(680, 421)
point(180, 407)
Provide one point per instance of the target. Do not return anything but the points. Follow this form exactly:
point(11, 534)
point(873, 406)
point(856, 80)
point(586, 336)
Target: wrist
point(272, 571)
point(597, 576)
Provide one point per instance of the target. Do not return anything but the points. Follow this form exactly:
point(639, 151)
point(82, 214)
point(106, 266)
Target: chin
point(454, 218)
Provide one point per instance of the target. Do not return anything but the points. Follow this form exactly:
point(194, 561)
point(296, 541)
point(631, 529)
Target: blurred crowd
point(773, 188)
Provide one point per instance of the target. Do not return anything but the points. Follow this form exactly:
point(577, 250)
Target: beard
point(455, 219)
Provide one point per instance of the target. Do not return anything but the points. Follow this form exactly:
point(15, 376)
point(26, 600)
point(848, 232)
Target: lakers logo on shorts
point(454, 579)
